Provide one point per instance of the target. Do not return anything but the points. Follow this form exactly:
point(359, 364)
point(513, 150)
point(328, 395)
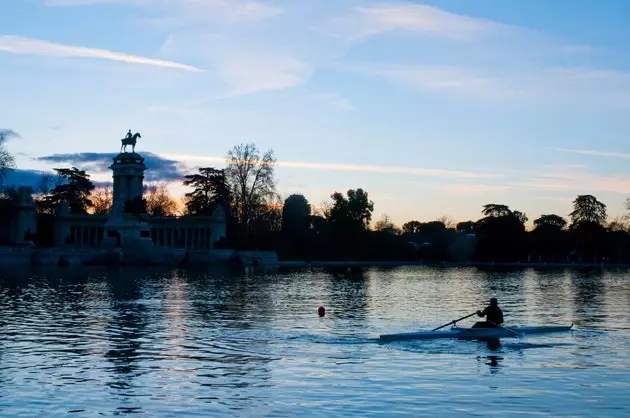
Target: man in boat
point(493, 314)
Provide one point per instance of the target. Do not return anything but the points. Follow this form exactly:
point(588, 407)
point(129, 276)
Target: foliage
point(411, 227)
point(210, 187)
point(159, 201)
point(550, 221)
point(353, 211)
point(466, 227)
point(586, 208)
point(501, 234)
point(75, 189)
point(102, 200)
point(7, 162)
point(494, 210)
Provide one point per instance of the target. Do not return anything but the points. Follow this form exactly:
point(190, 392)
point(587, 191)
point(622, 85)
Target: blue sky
point(435, 108)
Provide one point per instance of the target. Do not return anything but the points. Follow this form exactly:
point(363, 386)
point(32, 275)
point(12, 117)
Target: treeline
point(342, 228)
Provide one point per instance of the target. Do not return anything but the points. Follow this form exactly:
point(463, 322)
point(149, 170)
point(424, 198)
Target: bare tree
point(159, 201)
point(251, 179)
point(102, 200)
point(7, 162)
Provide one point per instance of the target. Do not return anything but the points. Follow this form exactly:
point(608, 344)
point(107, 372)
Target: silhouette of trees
point(502, 235)
point(353, 211)
point(210, 187)
point(411, 227)
point(102, 200)
point(550, 221)
point(549, 238)
point(385, 224)
point(495, 211)
point(466, 227)
point(46, 184)
point(250, 176)
point(587, 208)
point(159, 201)
point(7, 162)
point(75, 191)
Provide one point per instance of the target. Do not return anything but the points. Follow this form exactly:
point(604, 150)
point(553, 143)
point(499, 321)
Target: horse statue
point(130, 140)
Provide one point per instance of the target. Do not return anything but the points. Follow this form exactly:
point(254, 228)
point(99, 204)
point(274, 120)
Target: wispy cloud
point(364, 22)
point(577, 181)
point(190, 11)
point(336, 101)
point(436, 78)
point(474, 189)
point(30, 46)
point(242, 67)
point(349, 167)
point(596, 153)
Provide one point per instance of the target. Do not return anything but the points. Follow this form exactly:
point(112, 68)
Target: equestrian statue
point(130, 140)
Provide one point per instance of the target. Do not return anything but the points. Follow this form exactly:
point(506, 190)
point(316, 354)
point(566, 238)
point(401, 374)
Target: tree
point(296, 213)
point(355, 210)
point(549, 238)
point(466, 227)
point(447, 221)
point(75, 190)
point(385, 224)
point(501, 233)
point(520, 216)
point(159, 201)
point(411, 227)
point(102, 200)
point(586, 208)
point(7, 162)
point(209, 188)
point(46, 184)
point(494, 210)
point(250, 176)
point(551, 221)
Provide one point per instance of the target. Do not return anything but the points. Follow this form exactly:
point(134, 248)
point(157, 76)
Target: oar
point(455, 321)
point(505, 328)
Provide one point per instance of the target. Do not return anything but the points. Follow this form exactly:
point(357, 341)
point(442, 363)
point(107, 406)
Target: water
point(184, 343)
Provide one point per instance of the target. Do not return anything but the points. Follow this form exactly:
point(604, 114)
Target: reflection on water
point(224, 343)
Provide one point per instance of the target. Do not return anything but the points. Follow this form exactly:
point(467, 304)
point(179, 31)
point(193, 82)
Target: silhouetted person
point(493, 314)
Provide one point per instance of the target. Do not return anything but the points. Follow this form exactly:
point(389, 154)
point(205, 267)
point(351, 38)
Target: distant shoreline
point(541, 265)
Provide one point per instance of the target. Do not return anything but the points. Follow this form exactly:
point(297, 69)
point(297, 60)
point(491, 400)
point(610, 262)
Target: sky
point(435, 108)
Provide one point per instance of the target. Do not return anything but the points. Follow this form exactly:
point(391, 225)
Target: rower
point(493, 314)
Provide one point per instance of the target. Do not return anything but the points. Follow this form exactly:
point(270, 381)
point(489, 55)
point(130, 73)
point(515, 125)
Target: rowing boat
point(476, 333)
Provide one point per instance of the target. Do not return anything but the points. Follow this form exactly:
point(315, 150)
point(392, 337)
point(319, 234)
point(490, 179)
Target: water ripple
point(198, 343)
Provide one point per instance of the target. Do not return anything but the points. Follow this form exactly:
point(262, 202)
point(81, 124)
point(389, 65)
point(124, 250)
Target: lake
point(168, 343)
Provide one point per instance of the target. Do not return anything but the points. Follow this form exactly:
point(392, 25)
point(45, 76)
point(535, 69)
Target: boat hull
point(476, 333)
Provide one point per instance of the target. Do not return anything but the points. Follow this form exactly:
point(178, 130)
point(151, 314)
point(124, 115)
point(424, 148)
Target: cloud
point(474, 189)
point(20, 177)
point(176, 12)
point(336, 101)
point(437, 78)
point(363, 22)
point(577, 181)
point(8, 134)
point(29, 46)
point(436, 172)
point(253, 73)
point(243, 67)
point(158, 168)
point(595, 153)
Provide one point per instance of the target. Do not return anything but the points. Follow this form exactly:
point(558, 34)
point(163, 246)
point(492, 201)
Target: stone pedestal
point(123, 230)
point(128, 173)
